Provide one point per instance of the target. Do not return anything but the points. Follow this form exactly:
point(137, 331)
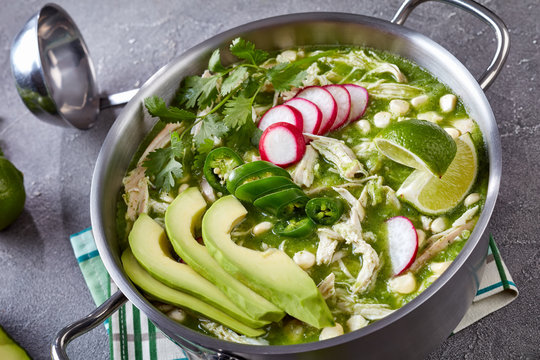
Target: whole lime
point(12, 194)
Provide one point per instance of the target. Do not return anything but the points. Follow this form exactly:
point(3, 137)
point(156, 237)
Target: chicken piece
point(304, 172)
point(384, 90)
point(466, 217)
point(136, 193)
point(339, 154)
point(328, 242)
point(370, 264)
point(354, 203)
point(373, 311)
point(388, 68)
point(437, 243)
point(326, 287)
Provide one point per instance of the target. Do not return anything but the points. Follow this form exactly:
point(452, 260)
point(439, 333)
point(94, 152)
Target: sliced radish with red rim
point(311, 114)
point(359, 101)
point(281, 113)
point(324, 101)
point(402, 243)
point(282, 144)
point(343, 101)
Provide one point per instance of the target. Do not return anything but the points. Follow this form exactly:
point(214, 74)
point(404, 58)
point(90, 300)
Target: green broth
point(337, 68)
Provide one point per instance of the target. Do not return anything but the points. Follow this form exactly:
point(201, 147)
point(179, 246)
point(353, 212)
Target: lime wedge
point(433, 195)
point(418, 144)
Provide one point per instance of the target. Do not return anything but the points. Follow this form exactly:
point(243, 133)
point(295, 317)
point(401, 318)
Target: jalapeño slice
point(324, 210)
point(255, 189)
point(284, 203)
point(295, 227)
point(218, 165)
point(253, 171)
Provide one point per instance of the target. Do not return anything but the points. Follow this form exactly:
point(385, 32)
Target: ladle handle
point(120, 98)
point(483, 13)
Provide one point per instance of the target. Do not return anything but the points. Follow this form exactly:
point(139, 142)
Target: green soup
point(211, 113)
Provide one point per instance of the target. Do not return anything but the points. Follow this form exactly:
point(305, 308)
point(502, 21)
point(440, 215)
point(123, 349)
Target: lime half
point(418, 144)
point(433, 195)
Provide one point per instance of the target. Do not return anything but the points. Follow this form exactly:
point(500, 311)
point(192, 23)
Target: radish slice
point(282, 144)
point(359, 101)
point(281, 113)
point(343, 101)
point(324, 101)
point(311, 114)
point(402, 243)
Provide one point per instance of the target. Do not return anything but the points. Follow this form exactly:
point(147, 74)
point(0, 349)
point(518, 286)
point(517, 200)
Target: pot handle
point(96, 317)
point(81, 326)
point(484, 14)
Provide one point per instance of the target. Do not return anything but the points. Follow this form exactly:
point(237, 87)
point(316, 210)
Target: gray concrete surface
point(41, 288)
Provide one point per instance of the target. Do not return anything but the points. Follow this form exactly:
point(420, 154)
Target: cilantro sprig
point(227, 96)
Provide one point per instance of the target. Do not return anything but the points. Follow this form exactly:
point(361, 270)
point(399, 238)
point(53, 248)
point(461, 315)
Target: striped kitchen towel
point(133, 336)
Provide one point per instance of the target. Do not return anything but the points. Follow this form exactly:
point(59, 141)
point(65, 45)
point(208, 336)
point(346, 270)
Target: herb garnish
point(224, 101)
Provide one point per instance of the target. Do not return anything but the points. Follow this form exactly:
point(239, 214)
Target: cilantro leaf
point(237, 112)
point(285, 75)
point(156, 107)
point(214, 64)
point(212, 125)
point(235, 78)
point(199, 91)
point(245, 50)
point(163, 165)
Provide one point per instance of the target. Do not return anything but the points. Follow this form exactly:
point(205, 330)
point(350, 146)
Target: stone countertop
point(42, 288)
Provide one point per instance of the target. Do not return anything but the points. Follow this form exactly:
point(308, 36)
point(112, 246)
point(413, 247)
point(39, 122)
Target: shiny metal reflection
point(54, 73)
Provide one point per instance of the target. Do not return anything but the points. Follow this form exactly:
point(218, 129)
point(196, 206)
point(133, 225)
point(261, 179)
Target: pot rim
point(160, 77)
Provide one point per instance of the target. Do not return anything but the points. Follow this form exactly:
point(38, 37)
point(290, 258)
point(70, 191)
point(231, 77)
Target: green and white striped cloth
point(133, 336)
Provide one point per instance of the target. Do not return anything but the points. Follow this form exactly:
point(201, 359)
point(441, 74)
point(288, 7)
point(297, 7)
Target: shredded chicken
point(438, 243)
point(304, 173)
point(340, 155)
point(326, 287)
point(372, 311)
point(328, 242)
point(355, 204)
point(136, 193)
point(466, 217)
point(351, 231)
point(388, 68)
point(385, 90)
point(224, 333)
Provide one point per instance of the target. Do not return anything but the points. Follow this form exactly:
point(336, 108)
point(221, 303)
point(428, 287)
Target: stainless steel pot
point(412, 331)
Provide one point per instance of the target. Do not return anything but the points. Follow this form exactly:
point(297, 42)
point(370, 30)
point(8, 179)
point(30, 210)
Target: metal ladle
point(54, 73)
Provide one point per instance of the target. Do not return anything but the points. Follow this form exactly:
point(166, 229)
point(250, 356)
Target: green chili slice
point(252, 190)
point(324, 210)
point(253, 171)
point(295, 227)
point(218, 165)
point(284, 203)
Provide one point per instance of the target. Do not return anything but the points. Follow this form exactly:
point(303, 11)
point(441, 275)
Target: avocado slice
point(163, 293)
point(152, 250)
point(9, 349)
point(181, 218)
point(271, 273)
